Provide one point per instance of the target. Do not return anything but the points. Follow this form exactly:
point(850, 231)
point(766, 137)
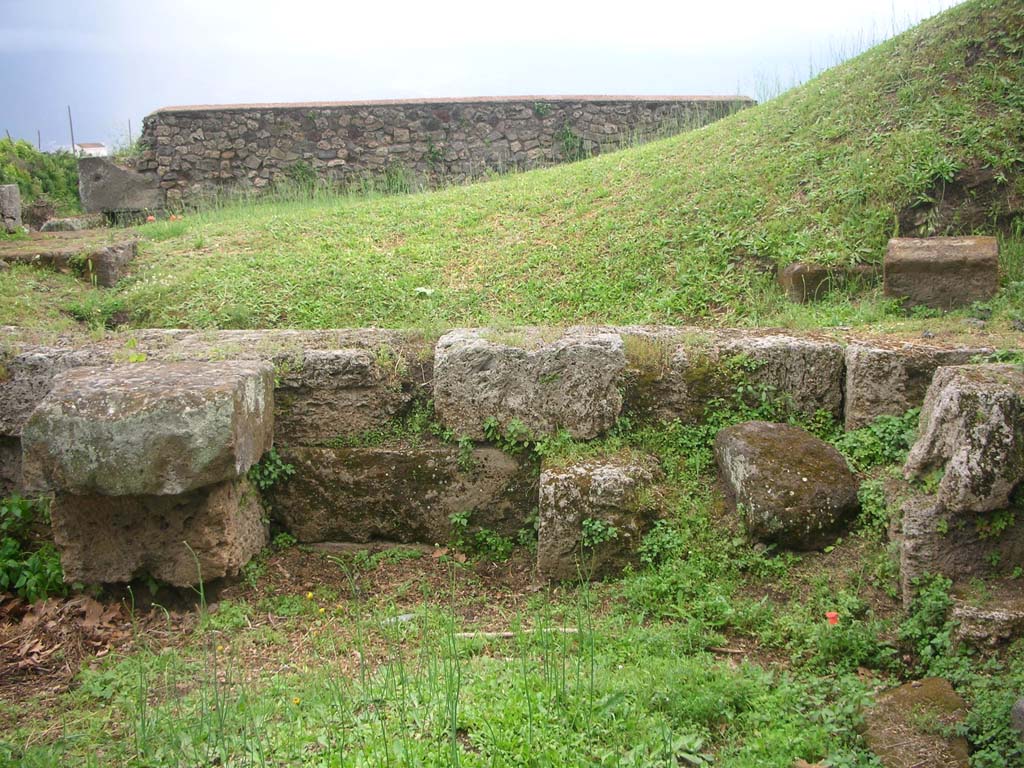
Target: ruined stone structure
point(203, 149)
point(325, 392)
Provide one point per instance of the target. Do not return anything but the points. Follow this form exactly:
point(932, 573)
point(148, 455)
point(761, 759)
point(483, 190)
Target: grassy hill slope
point(922, 134)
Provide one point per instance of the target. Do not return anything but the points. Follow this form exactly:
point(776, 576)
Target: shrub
point(36, 173)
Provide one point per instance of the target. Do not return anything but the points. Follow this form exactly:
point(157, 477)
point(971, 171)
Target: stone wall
point(344, 400)
point(194, 150)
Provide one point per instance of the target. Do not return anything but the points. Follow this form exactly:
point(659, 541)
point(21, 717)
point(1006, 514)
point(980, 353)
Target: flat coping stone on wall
point(570, 382)
point(942, 272)
point(149, 428)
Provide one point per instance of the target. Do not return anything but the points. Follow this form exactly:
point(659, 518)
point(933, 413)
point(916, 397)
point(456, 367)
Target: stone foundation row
point(145, 441)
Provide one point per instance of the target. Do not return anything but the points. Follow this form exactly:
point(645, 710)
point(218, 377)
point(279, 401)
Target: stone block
point(106, 187)
point(890, 378)
point(570, 383)
point(789, 487)
point(935, 541)
point(10, 208)
point(915, 726)
point(942, 272)
point(805, 374)
point(972, 432)
point(26, 378)
point(326, 393)
point(83, 254)
point(10, 465)
point(401, 493)
point(149, 428)
point(104, 539)
point(610, 500)
point(804, 282)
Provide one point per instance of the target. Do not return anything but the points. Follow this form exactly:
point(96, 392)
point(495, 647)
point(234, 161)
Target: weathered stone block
point(149, 428)
point(10, 208)
point(326, 393)
point(914, 726)
point(998, 621)
point(104, 187)
point(942, 272)
point(614, 496)
point(804, 282)
point(10, 465)
point(401, 494)
point(972, 431)
point(789, 487)
point(104, 539)
point(26, 378)
point(805, 374)
point(888, 379)
point(935, 541)
point(566, 384)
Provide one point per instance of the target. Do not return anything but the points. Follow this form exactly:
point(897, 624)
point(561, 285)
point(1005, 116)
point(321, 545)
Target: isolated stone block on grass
point(149, 428)
point(593, 516)
point(789, 487)
point(942, 272)
point(570, 383)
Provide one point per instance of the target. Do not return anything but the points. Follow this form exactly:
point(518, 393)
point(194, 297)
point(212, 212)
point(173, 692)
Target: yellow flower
point(309, 595)
point(296, 701)
point(323, 610)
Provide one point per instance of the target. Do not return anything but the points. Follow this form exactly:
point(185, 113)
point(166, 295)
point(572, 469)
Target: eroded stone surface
point(105, 539)
point(327, 393)
point(104, 186)
point(404, 494)
point(888, 379)
point(570, 383)
point(10, 465)
point(26, 378)
point(149, 428)
point(616, 493)
point(10, 208)
point(972, 430)
point(958, 546)
point(803, 374)
point(789, 487)
point(995, 623)
point(942, 272)
point(902, 726)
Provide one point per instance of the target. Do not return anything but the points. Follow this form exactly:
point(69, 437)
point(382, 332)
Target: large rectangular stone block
point(570, 383)
point(889, 378)
point(402, 494)
point(804, 374)
point(942, 272)
point(149, 428)
point(105, 539)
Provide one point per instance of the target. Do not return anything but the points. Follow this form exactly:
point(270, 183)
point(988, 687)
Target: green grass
point(678, 230)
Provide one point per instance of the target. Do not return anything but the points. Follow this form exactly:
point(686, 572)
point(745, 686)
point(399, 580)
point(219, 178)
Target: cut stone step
point(86, 254)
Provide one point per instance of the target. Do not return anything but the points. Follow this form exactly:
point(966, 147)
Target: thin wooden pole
point(71, 125)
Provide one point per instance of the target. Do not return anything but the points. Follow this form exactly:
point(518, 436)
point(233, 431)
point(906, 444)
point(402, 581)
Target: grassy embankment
point(682, 229)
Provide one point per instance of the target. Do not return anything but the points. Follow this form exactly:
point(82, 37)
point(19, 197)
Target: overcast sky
point(117, 60)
